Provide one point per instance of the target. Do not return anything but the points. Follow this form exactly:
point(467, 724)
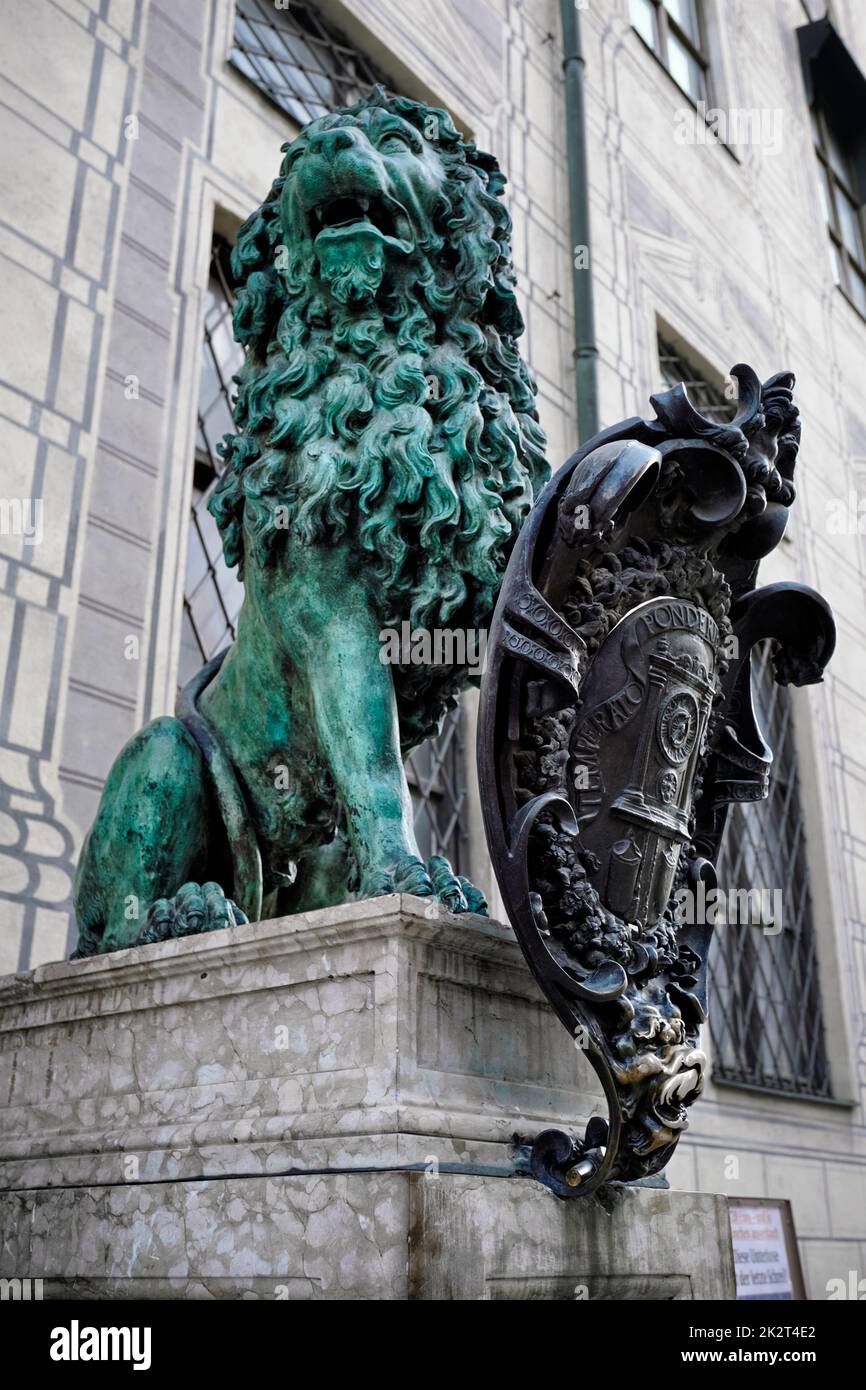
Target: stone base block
point(383, 1236)
point(322, 1106)
point(382, 1033)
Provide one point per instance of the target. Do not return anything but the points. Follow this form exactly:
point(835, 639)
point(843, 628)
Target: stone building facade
point(138, 134)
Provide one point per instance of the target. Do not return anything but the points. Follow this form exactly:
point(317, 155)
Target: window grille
point(766, 1018)
point(705, 396)
point(437, 781)
point(767, 1024)
point(673, 30)
point(300, 63)
point(213, 595)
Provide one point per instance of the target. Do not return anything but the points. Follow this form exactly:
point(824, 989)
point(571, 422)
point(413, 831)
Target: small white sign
point(760, 1252)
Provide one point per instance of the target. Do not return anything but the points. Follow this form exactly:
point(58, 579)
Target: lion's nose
point(329, 143)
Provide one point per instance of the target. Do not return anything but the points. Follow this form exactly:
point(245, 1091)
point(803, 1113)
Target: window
point(842, 210)
point(437, 780)
point(765, 1020)
point(704, 396)
point(300, 63)
point(672, 29)
point(213, 594)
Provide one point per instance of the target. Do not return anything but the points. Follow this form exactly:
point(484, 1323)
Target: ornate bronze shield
point(617, 725)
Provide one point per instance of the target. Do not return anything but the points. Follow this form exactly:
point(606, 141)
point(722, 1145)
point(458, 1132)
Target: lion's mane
point(405, 429)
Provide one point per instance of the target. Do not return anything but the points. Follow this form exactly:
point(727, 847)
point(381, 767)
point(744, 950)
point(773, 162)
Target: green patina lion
point(387, 452)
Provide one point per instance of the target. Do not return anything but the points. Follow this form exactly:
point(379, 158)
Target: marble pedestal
point(324, 1106)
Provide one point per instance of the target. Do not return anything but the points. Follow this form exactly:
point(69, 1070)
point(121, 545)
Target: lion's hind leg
point(154, 832)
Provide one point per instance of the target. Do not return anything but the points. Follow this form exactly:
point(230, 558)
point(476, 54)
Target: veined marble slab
point(383, 1236)
point(378, 1034)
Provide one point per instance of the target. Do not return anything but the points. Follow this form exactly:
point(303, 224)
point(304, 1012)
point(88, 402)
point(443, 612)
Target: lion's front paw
point(196, 907)
point(434, 879)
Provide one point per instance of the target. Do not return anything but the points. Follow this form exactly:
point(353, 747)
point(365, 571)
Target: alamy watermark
point(853, 1288)
point(77, 1343)
point(22, 1290)
point(719, 907)
point(846, 516)
point(22, 516)
point(739, 125)
point(461, 647)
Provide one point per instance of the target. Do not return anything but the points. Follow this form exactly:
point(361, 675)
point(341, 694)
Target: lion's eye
point(395, 141)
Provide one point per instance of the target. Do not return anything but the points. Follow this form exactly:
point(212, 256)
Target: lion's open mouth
point(341, 211)
point(375, 215)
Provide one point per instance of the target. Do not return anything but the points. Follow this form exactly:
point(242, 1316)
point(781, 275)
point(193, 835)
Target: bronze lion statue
point(387, 452)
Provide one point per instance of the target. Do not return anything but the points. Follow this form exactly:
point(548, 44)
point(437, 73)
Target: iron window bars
point(436, 772)
point(303, 65)
point(767, 1024)
point(766, 1021)
point(706, 396)
point(212, 593)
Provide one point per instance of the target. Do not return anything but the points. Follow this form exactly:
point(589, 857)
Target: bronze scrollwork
point(617, 726)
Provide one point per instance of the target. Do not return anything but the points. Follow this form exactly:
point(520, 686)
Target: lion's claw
point(435, 879)
point(195, 907)
point(412, 877)
point(475, 899)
